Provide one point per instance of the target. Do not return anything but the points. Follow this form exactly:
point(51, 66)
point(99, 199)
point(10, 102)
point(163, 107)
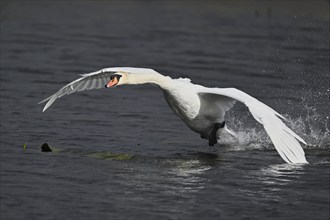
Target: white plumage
point(198, 106)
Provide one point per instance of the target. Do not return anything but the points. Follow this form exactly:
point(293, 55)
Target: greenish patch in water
point(109, 156)
point(56, 150)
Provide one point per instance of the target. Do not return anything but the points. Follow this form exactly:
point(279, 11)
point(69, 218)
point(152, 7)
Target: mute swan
point(201, 108)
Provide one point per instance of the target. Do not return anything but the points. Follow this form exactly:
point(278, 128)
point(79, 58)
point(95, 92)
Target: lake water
point(122, 153)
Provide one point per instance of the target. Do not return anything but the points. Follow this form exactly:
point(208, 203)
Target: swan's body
point(201, 108)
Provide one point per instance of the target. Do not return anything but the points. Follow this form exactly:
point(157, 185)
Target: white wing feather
point(283, 138)
point(94, 80)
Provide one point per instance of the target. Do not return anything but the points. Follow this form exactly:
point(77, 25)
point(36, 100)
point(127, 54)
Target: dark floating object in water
point(45, 148)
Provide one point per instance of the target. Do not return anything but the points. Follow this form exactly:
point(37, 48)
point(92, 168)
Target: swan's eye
point(115, 76)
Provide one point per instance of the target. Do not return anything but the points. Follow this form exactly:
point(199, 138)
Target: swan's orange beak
point(112, 82)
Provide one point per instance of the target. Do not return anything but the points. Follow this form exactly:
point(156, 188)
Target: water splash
point(313, 128)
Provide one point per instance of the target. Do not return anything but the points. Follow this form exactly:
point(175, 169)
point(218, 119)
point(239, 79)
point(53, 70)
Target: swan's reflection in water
point(280, 174)
point(179, 176)
point(273, 181)
point(186, 175)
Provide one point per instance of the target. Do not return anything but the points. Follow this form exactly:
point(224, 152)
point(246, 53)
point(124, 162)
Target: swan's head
point(117, 79)
point(129, 78)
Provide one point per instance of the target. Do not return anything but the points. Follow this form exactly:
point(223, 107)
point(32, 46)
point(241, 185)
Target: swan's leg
point(213, 136)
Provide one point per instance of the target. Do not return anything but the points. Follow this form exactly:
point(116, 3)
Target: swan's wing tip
point(286, 143)
point(47, 105)
point(298, 160)
point(303, 161)
point(303, 141)
point(51, 100)
point(44, 100)
point(294, 160)
point(45, 108)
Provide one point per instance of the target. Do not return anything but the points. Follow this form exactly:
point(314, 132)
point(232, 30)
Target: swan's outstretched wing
point(283, 138)
point(94, 80)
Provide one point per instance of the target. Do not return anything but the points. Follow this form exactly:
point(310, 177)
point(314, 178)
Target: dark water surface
point(278, 53)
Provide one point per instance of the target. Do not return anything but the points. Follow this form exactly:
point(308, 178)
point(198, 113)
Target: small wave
point(323, 163)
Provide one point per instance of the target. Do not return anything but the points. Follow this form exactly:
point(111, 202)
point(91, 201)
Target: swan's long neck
point(142, 78)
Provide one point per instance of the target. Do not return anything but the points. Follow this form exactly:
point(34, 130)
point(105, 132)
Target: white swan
point(201, 108)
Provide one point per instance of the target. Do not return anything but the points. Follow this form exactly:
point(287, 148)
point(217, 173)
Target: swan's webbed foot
point(213, 136)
